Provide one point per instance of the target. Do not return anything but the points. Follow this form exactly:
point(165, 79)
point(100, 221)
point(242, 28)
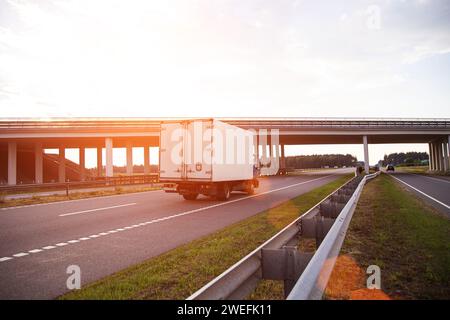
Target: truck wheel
point(190, 196)
point(223, 192)
point(250, 188)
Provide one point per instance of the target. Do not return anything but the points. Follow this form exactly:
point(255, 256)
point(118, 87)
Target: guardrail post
point(285, 264)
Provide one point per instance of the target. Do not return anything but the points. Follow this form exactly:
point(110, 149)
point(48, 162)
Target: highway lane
point(434, 190)
point(104, 235)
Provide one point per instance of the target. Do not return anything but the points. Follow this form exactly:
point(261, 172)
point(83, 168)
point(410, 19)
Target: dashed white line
point(159, 219)
point(5, 259)
point(97, 209)
point(22, 254)
point(35, 251)
point(61, 244)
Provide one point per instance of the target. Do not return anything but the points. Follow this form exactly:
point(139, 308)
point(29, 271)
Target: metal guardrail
point(305, 274)
point(313, 281)
point(98, 182)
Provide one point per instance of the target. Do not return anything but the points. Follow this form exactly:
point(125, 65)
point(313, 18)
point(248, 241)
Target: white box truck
point(206, 156)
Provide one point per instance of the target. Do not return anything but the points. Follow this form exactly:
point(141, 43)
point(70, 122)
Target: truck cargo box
point(205, 150)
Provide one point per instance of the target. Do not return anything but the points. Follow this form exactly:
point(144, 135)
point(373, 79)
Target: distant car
point(390, 168)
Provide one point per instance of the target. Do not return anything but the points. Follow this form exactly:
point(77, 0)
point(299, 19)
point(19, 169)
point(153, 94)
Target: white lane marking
point(61, 244)
point(35, 251)
point(98, 209)
point(5, 259)
point(421, 192)
point(22, 254)
point(84, 199)
point(178, 215)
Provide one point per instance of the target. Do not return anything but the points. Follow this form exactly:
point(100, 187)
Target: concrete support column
point(366, 154)
point(62, 165)
point(147, 160)
point(435, 156)
point(448, 150)
point(99, 162)
point(38, 163)
point(257, 148)
point(269, 143)
point(440, 156)
point(283, 159)
point(263, 141)
point(109, 157)
point(277, 156)
point(430, 156)
point(82, 164)
point(12, 163)
point(129, 159)
point(445, 150)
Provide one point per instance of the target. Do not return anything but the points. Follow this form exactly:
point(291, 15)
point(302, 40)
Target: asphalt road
point(434, 190)
point(104, 235)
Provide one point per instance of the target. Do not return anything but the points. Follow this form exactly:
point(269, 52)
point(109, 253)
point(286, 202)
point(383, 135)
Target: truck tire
point(190, 196)
point(250, 188)
point(223, 192)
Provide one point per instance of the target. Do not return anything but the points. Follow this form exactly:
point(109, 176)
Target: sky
point(226, 58)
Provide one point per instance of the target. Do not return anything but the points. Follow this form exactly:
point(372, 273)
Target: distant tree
point(320, 161)
point(409, 158)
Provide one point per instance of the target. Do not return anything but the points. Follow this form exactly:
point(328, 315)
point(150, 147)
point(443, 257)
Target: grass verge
point(73, 195)
point(178, 273)
point(406, 238)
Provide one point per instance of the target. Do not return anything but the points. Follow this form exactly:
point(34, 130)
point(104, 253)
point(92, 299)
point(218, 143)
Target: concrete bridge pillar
point(277, 155)
point(448, 150)
point(440, 156)
point(82, 164)
point(436, 156)
point(38, 163)
point(282, 160)
point(109, 157)
point(147, 160)
point(62, 165)
point(12, 163)
point(256, 142)
point(129, 148)
point(366, 154)
point(263, 141)
point(445, 151)
point(430, 156)
point(99, 162)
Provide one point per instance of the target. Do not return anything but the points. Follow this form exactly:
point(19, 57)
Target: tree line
point(320, 161)
point(407, 159)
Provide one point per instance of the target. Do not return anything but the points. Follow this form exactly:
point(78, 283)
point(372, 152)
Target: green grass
point(413, 169)
point(406, 238)
point(73, 195)
point(181, 271)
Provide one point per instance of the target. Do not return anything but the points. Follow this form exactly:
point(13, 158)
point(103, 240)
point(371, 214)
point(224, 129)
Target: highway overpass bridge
point(35, 135)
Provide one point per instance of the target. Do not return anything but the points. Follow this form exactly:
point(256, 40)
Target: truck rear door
point(171, 152)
